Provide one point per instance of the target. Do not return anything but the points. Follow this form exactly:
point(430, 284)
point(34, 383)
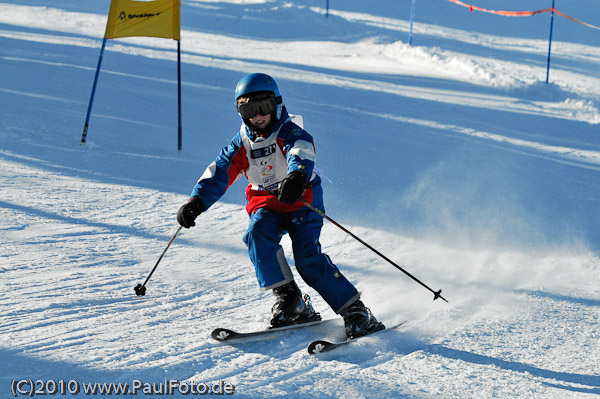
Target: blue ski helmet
point(256, 82)
point(259, 83)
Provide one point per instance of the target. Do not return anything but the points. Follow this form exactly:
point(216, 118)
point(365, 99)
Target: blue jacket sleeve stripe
point(221, 173)
point(300, 150)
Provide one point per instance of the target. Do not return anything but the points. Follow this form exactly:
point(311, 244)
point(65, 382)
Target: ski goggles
point(261, 107)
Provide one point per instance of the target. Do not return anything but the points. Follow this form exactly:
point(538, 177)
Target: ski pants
point(272, 270)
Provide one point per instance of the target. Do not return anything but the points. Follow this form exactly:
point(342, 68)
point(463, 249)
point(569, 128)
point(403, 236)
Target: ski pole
point(140, 289)
point(437, 294)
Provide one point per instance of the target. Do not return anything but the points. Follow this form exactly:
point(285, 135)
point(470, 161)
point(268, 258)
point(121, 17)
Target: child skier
point(278, 157)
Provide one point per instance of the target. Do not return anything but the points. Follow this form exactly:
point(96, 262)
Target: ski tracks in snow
point(74, 249)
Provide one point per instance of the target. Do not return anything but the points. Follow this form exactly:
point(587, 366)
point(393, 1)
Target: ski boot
point(290, 308)
point(359, 321)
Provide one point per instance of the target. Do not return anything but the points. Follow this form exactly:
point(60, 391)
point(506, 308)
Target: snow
point(452, 157)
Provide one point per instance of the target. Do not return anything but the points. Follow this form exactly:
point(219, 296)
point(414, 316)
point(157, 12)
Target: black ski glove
point(189, 212)
point(292, 187)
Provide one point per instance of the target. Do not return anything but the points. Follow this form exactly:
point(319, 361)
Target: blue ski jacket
point(265, 162)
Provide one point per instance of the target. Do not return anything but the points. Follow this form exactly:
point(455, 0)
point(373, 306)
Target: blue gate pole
point(550, 42)
point(412, 17)
point(179, 94)
point(89, 111)
point(327, 9)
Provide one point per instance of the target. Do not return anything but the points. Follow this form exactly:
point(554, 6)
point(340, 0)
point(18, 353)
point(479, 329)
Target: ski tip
point(316, 347)
point(223, 334)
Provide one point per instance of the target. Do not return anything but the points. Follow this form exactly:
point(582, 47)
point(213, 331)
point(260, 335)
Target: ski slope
point(452, 156)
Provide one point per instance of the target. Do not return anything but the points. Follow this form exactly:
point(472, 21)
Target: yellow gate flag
point(159, 18)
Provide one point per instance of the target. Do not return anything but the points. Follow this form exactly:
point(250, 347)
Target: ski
point(321, 346)
point(225, 334)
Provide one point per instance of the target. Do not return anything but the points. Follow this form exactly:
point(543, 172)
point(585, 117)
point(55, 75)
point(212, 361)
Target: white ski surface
point(228, 335)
